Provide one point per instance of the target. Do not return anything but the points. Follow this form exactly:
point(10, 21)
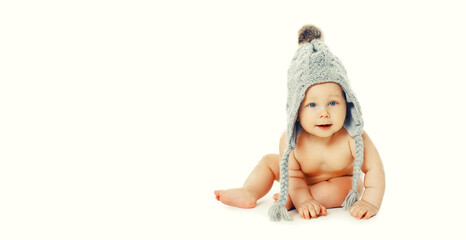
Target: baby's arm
point(374, 182)
point(300, 194)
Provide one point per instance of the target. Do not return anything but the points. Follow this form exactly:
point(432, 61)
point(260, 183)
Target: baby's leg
point(258, 184)
point(332, 193)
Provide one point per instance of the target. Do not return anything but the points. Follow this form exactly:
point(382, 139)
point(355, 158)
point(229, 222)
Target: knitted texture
point(313, 63)
point(278, 210)
point(353, 195)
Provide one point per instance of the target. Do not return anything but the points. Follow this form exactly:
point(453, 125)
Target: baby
point(324, 147)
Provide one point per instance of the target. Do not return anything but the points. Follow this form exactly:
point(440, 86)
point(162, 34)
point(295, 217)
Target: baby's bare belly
point(313, 179)
point(323, 169)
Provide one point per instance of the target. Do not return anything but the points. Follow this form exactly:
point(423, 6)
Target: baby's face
point(323, 110)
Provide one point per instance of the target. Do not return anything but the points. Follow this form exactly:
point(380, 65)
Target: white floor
point(400, 217)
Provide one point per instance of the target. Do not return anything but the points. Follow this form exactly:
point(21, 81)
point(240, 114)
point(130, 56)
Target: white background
point(118, 119)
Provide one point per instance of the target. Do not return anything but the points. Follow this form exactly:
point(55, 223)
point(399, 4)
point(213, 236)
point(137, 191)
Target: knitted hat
point(313, 63)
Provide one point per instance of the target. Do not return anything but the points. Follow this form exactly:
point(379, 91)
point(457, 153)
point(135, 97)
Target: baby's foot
point(288, 204)
point(237, 197)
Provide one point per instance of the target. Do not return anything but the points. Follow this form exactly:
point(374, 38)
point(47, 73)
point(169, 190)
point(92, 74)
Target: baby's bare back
point(323, 161)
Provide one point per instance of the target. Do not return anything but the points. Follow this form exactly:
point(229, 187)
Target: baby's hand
point(362, 209)
point(311, 208)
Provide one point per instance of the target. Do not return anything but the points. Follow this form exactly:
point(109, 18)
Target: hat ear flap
point(296, 131)
point(353, 121)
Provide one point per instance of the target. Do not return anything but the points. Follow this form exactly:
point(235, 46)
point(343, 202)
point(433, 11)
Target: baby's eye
point(332, 103)
point(312, 105)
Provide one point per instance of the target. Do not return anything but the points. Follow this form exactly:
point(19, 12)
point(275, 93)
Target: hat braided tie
point(353, 195)
point(278, 210)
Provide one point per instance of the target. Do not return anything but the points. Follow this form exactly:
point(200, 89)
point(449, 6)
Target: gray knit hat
point(313, 63)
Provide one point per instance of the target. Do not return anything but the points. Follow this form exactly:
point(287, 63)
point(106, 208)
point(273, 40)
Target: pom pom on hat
point(308, 33)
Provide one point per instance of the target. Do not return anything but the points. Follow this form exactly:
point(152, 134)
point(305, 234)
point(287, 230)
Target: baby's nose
point(324, 114)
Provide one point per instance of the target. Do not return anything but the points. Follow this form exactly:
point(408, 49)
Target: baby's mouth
point(324, 126)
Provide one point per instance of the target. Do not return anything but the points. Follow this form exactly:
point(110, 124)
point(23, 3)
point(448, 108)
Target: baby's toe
point(217, 194)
